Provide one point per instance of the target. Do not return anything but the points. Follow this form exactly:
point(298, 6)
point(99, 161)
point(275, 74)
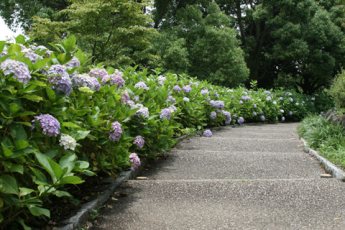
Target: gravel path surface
point(251, 177)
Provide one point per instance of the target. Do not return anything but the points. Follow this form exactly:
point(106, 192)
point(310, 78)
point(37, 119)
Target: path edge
point(329, 166)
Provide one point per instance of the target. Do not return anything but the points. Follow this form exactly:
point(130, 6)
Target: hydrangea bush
point(62, 121)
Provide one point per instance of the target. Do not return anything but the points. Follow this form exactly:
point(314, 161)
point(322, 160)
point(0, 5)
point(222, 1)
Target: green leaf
point(37, 211)
point(8, 185)
point(59, 193)
point(70, 125)
point(22, 223)
point(68, 162)
point(80, 135)
point(21, 144)
point(39, 177)
point(20, 39)
point(33, 98)
point(25, 191)
point(70, 43)
point(6, 150)
point(51, 94)
point(14, 107)
point(11, 167)
point(18, 132)
point(53, 168)
point(71, 180)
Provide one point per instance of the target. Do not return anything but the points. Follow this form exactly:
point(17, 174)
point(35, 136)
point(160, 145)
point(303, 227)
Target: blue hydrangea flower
point(217, 104)
point(143, 112)
point(262, 118)
point(204, 91)
point(59, 78)
point(73, 63)
point(28, 53)
point(245, 98)
point(49, 124)
point(125, 97)
point(165, 114)
point(141, 85)
point(19, 70)
point(207, 133)
point(171, 99)
point(213, 115)
point(101, 74)
point(139, 142)
point(84, 80)
point(177, 88)
point(240, 120)
point(187, 88)
point(117, 78)
point(116, 131)
point(227, 117)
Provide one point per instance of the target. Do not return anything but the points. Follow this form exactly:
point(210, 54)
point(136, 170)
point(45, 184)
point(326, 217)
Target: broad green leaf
point(38, 211)
point(14, 107)
point(18, 132)
point(25, 191)
point(51, 94)
point(68, 162)
point(60, 193)
point(71, 180)
point(22, 223)
point(50, 166)
point(80, 135)
point(21, 144)
point(33, 98)
point(8, 185)
point(6, 150)
point(20, 39)
point(70, 125)
point(11, 167)
point(40, 177)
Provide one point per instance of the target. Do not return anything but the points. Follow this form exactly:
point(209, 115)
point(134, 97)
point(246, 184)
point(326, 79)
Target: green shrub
point(338, 91)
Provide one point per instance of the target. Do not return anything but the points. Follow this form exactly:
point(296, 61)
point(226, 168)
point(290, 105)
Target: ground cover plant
point(326, 137)
point(63, 121)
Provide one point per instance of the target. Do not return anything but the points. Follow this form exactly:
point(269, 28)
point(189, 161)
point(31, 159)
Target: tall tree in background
point(20, 12)
point(213, 50)
point(115, 32)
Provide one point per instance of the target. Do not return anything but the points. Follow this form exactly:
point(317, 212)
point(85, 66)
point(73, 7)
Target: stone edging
point(82, 215)
point(329, 166)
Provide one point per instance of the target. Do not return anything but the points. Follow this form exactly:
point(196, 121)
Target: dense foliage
point(338, 92)
point(326, 137)
point(62, 120)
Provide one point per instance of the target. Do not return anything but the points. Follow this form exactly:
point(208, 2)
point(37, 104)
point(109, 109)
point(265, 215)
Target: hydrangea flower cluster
point(213, 115)
point(204, 91)
point(186, 99)
point(125, 98)
point(117, 78)
point(141, 85)
point(116, 132)
point(262, 117)
point(165, 114)
point(240, 120)
point(59, 78)
point(28, 53)
point(207, 133)
point(161, 79)
point(143, 112)
point(171, 99)
point(19, 70)
point(227, 117)
point(246, 98)
point(187, 88)
point(101, 74)
point(139, 142)
point(49, 124)
point(135, 161)
point(217, 104)
point(177, 88)
point(84, 80)
point(67, 142)
point(73, 63)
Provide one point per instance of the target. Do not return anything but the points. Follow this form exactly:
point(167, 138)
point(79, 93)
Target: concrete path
point(253, 177)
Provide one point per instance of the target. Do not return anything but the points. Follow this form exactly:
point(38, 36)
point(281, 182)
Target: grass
point(325, 137)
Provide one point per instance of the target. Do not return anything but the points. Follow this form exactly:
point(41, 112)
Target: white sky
point(5, 32)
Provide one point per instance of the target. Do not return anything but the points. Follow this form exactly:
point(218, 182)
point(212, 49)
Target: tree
point(115, 32)
point(213, 49)
point(20, 12)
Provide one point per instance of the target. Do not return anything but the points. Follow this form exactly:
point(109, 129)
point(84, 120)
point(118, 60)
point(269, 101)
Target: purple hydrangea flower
point(204, 91)
point(177, 88)
point(125, 97)
point(262, 118)
point(19, 70)
point(101, 74)
point(116, 132)
point(207, 133)
point(216, 95)
point(59, 78)
point(141, 85)
point(28, 53)
point(165, 114)
point(84, 80)
point(187, 88)
point(240, 120)
point(73, 63)
point(213, 115)
point(143, 112)
point(246, 98)
point(227, 117)
point(135, 161)
point(49, 124)
point(217, 104)
point(173, 108)
point(139, 142)
point(171, 99)
point(117, 78)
